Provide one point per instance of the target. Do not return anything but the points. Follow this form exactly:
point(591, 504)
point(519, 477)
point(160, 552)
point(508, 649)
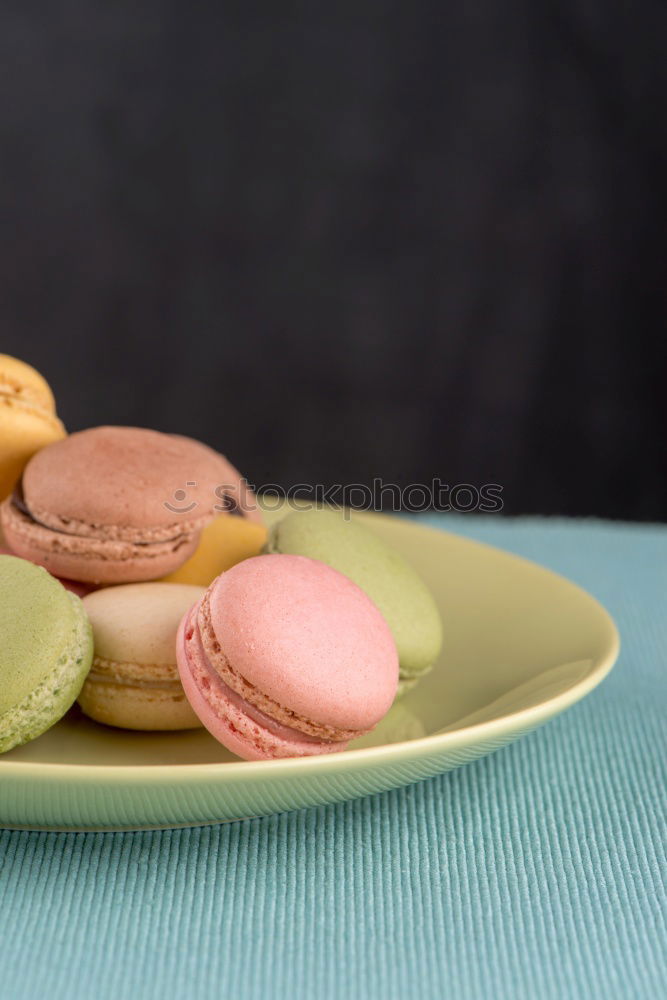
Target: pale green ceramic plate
point(521, 645)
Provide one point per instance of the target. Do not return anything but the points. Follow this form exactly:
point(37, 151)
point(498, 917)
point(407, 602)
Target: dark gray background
point(350, 240)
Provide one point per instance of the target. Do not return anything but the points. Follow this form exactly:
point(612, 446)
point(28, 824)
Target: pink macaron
point(285, 657)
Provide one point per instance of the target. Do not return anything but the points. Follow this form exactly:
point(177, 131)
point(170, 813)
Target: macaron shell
point(308, 638)
point(224, 542)
point(36, 622)
point(80, 589)
point(24, 430)
point(27, 419)
point(45, 654)
point(57, 691)
point(127, 707)
point(130, 477)
point(24, 383)
point(399, 592)
point(137, 622)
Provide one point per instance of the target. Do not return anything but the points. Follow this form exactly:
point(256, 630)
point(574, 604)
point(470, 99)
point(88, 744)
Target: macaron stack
point(292, 652)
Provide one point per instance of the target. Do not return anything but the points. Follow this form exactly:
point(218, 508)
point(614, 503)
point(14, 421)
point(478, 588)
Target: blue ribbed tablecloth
point(537, 872)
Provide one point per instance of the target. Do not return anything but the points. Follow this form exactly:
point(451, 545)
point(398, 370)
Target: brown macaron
point(120, 504)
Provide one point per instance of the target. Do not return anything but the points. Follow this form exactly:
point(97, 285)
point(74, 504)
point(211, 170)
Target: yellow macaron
point(28, 420)
point(225, 541)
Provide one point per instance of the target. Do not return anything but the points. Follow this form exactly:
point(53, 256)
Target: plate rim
point(505, 724)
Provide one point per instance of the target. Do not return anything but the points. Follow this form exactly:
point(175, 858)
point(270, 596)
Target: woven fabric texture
point(536, 872)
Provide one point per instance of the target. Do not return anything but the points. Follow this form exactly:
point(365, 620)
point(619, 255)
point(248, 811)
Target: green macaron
point(394, 586)
point(46, 649)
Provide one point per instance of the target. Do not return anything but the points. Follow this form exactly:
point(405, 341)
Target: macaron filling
point(218, 694)
point(129, 675)
point(104, 542)
point(146, 676)
point(270, 734)
point(105, 532)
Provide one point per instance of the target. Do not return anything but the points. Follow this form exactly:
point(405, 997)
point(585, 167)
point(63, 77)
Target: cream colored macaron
point(134, 681)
